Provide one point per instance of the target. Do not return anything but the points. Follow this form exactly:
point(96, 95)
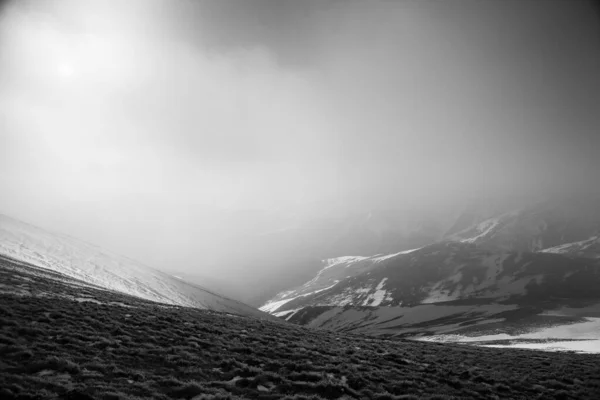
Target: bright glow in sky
point(148, 125)
point(65, 69)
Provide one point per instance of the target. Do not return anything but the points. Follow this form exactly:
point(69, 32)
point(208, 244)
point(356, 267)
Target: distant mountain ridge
point(536, 227)
point(442, 272)
point(519, 264)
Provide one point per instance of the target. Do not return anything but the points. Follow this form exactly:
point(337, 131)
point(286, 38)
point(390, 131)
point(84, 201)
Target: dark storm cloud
point(539, 57)
point(292, 30)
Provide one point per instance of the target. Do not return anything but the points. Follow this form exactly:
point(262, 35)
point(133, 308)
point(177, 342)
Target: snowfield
point(581, 337)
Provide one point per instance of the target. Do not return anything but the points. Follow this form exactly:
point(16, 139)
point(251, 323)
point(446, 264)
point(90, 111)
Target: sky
point(156, 128)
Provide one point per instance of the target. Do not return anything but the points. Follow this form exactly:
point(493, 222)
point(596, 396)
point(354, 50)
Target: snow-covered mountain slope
point(98, 267)
point(441, 288)
point(537, 227)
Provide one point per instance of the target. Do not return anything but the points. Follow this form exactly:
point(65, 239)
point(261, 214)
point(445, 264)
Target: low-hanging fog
point(170, 130)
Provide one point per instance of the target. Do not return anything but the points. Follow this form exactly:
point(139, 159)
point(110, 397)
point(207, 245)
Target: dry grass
point(54, 347)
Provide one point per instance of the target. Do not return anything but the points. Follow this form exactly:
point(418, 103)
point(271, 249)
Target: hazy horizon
point(160, 129)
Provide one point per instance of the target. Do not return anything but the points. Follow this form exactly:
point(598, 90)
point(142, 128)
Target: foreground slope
point(62, 338)
point(93, 265)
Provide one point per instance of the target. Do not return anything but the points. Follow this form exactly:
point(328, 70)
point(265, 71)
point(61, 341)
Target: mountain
point(517, 273)
point(271, 261)
point(479, 210)
point(100, 268)
point(536, 227)
point(445, 272)
point(333, 271)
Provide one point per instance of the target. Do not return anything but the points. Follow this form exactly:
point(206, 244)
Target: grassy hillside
point(60, 338)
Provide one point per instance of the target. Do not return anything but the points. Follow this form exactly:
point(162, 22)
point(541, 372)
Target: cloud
point(128, 122)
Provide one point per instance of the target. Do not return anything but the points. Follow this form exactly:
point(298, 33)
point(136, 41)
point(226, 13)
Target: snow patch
point(275, 305)
point(375, 299)
point(483, 229)
point(581, 337)
point(386, 257)
point(288, 314)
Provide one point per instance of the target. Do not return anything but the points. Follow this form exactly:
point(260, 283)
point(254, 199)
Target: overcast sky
point(141, 125)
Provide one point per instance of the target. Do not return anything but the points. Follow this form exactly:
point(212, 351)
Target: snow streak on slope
point(275, 305)
point(482, 230)
point(375, 299)
point(86, 262)
point(583, 248)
